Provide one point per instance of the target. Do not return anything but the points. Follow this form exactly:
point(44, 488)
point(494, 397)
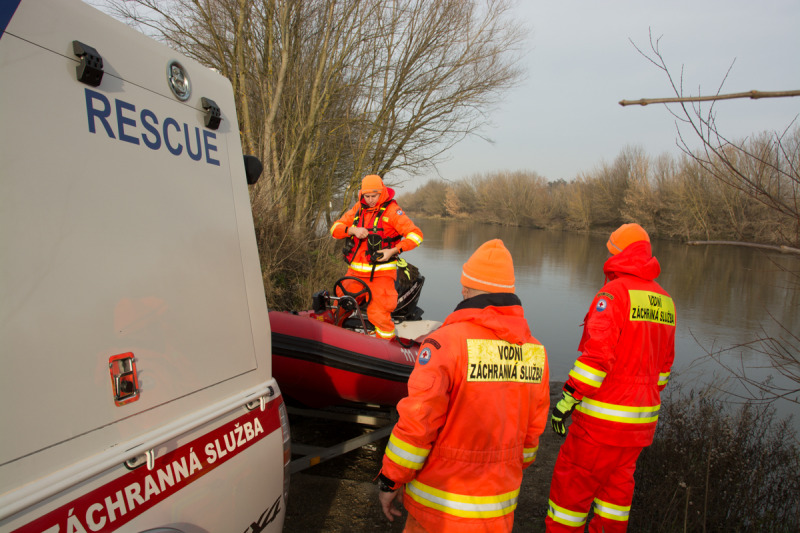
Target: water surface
point(724, 295)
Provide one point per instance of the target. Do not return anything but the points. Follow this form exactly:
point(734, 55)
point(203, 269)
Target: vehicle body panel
point(125, 227)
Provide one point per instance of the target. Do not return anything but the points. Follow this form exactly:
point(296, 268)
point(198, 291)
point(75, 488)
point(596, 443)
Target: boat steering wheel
point(338, 288)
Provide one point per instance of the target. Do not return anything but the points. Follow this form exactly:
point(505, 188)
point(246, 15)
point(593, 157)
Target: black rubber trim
point(325, 354)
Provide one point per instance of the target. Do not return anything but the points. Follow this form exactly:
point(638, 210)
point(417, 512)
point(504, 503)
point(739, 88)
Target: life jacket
point(388, 223)
point(372, 220)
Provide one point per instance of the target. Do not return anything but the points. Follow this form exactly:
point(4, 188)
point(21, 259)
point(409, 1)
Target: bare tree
point(764, 169)
point(328, 90)
point(437, 69)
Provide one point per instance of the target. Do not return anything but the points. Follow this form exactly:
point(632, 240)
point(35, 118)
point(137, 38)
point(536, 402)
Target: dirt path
point(339, 495)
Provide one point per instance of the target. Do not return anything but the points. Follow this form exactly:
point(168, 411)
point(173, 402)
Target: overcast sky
point(565, 118)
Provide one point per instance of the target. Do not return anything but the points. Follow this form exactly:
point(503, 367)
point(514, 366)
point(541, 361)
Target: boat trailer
point(381, 418)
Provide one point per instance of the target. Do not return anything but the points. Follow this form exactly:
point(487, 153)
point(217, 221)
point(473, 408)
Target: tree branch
point(754, 95)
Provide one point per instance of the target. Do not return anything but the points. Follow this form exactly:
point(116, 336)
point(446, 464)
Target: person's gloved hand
point(562, 411)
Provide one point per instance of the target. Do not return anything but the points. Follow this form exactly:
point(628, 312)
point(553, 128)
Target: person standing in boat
point(478, 400)
point(626, 355)
point(379, 231)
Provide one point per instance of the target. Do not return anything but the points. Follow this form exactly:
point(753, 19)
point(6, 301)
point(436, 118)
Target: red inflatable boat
point(326, 357)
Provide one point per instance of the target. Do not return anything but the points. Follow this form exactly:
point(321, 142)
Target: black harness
point(353, 244)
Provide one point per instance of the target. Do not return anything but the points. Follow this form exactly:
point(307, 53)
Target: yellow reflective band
point(414, 237)
point(495, 360)
point(334, 226)
point(565, 516)
point(405, 454)
point(462, 505)
point(586, 374)
point(367, 267)
point(619, 413)
point(649, 306)
point(611, 511)
point(529, 454)
point(384, 334)
point(663, 379)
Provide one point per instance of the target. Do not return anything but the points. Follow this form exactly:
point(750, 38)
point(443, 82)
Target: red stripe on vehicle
point(116, 503)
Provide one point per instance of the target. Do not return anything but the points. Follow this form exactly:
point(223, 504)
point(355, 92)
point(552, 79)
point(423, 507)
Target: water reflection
point(724, 295)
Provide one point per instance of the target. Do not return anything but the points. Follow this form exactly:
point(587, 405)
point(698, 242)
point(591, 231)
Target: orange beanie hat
point(371, 184)
point(624, 235)
point(490, 268)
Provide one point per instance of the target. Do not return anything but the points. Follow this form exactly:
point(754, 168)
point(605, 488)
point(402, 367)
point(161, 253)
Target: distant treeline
point(672, 197)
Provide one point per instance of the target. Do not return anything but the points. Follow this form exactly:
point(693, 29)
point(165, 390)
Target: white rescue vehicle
point(136, 389)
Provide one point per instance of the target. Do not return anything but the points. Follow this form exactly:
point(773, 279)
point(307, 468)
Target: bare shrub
point(611, 183)
point(641, 201)
point(512, 198)
point(556, 204)
point(467, 196)
point(428, 200)
point(687, 206)
point(460, 200)
point(452, 204)
point(433, 203)
point(578, 202)
point(294, 264)
point(782, 351)
point(717, 467)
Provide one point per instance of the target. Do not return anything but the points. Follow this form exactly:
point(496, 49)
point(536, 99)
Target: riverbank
point(340, 496)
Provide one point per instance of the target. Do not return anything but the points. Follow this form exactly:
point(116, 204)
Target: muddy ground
point(339, 495)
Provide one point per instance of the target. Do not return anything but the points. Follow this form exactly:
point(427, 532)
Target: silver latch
point(124, 379)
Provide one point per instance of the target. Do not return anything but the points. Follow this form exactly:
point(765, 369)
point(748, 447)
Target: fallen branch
point(755, 95)
point(781, 248)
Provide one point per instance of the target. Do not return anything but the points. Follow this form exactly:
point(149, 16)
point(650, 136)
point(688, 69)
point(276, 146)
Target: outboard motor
point(409, 288)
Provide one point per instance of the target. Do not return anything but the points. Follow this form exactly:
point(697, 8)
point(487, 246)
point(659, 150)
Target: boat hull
point(319, 364)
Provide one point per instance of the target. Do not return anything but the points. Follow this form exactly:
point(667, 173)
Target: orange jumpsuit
point(395, 229)
point(627, 350)
point(478, 400)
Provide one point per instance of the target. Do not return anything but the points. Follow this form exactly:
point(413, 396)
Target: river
point(724, 295)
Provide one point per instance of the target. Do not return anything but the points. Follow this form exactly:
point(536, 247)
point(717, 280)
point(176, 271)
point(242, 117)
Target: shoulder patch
point(424, 356)
point(602, 304)
point(399, 212)
point(606, 295)
point(433, 342)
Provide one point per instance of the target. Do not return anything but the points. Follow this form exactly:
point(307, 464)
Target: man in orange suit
point(376, 218)
point(626, 354)
point(478, 399)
